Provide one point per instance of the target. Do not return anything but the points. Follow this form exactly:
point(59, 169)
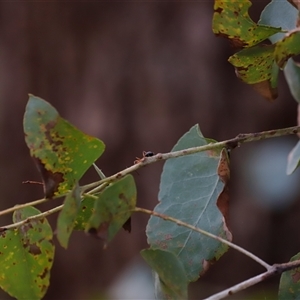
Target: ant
point(145, 154)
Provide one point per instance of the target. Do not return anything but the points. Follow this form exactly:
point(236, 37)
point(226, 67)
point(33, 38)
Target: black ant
point(145, 154)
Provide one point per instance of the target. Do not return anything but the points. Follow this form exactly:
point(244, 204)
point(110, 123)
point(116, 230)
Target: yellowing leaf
point(231, 20)
point(26, 257)
point(62, 152)
point(288, 47)
point(256, 66)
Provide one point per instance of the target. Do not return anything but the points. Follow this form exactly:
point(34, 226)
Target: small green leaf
point(99, 172)
point(288, 47)
point(85, 212)
point(62, 152)
point(67, 217)
point(190, 188)
point(231, 19)
point(293, 159)
point(173, 281)
point(289, 286)
point(26, 256)
point(113, 208)
point(292, 76)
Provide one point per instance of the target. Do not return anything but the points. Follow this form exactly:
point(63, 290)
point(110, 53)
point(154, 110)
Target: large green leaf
point(191, 190)
point(231, 19)
point(173, 282)
point(113, 209)
point(62, 152)
point(26, 257)
point(289, 286)
point(67, 217)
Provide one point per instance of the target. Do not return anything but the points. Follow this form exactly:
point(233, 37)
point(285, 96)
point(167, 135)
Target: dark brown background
point(137, 75)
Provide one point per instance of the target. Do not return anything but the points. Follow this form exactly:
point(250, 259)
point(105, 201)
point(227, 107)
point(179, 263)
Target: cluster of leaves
point(258, 62)
point(193, 189)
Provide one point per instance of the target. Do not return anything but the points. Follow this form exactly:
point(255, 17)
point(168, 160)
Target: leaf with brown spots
point(67, 217)
point(231, 20)
point(85, 211)
point(193, 189)
point(288, 47)
point(289, 286)
point(61, 152)
point(256, 66)
point(112, 209)
point(26, 256)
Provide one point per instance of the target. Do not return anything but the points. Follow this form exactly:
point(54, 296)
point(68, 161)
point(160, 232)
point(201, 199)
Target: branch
point(276, 269)
point(32, 203)
point(18, 206)
point(273, 270)
point(215, 237)
point(35, 217)
point(228, 144)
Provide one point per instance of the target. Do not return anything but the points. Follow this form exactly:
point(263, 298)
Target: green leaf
point(292, 76)
point(190, 188)
point(67, 216)
point(26, 256)
point(85, 212)
point(113, 208)
point(288, 47)
point(231, 19)
point(256, 66)
point(293, 159)
point(172, 279)
point(62, 152)
point(289, 286)
point(99, 172)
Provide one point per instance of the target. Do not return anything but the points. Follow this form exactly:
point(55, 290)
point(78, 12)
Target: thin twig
point(32, 203)
point(18, 206)
point(228, 144)
point(180, 223)
point(35, 217)
point(38, 216)
point(276, 269)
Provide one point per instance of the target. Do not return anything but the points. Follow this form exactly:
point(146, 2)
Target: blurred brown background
point(138, 75)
